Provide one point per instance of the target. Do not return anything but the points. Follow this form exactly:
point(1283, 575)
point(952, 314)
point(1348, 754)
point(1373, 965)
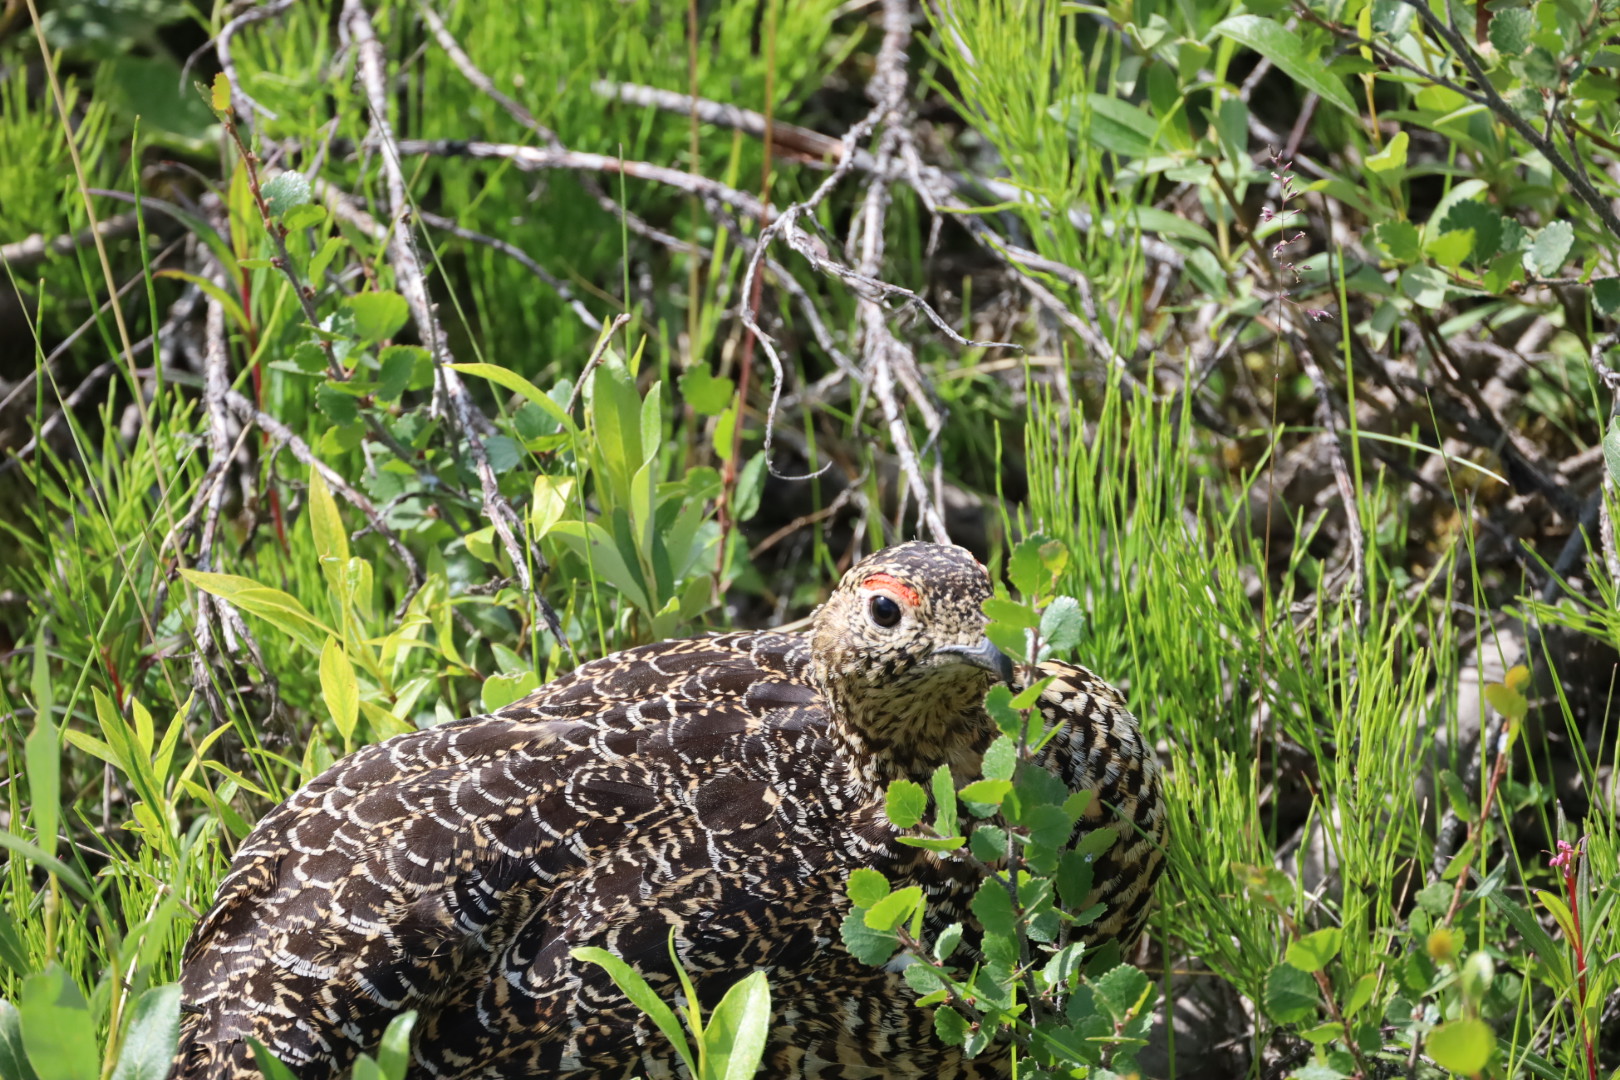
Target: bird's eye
point(885, 612)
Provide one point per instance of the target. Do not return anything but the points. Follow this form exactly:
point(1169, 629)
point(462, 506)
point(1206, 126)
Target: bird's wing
point(1099, 748)
point(742, 887)
point(374, 886)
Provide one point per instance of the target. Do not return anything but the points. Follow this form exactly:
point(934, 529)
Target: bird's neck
point(892, 732)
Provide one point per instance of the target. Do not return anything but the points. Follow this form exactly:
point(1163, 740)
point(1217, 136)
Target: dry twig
point(882, 352)
point(1327, 413)
point(24, 254)
point(452, 399)
point(816, 147)
point(209, 500)
point(521, 257)
point(245, 105)
point(539, 158)
point(1610, 378)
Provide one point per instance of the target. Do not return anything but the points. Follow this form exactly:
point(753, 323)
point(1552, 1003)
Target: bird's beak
point(982, 655)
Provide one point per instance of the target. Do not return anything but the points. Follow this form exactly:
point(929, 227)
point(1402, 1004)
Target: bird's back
point(451, 870)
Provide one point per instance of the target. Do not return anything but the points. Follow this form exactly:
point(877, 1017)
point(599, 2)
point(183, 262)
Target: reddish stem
point(1580, 968)
point(118, 685)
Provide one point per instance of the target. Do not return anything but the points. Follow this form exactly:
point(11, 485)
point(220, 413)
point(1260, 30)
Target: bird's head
point(900, 653)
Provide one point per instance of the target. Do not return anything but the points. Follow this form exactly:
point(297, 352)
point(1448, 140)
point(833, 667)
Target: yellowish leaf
point(1391, 157)
point(325, 523)
point(339, 688)
point(551, 495)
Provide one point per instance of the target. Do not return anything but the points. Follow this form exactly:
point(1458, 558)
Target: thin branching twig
point(452, 399)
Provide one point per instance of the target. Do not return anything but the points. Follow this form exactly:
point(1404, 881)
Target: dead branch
point(456, 403)
point(883, 353)
point(1327, 413)
point(1487, 430)
point(485, 85)
point(814, 147)
point(97, 375)
point(597, 354)
point(244, 104)
point(1610, 378)
point(802, 300)
point(25, 254)
point(476, 76)
point(210, 499)
point(216, 383)
point(538, 159)
point(1020, 262)
point(882, 349)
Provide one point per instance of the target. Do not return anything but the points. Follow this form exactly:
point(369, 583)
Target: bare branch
point(816, 147)
point(597, 353)
point(456, 402)
point(812, 146)
point(1327, 412)
point(537, 159)
point(475, 75)
point(888, 90)
point(882, 352)
point(24, 254)
point(244, 104)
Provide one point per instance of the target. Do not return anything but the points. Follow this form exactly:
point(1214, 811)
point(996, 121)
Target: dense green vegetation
point(410, 362)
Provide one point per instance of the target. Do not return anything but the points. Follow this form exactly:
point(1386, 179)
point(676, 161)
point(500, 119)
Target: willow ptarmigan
point(724, 786)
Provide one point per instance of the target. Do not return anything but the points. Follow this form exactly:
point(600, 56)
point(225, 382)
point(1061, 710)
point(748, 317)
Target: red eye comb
point(896, 588)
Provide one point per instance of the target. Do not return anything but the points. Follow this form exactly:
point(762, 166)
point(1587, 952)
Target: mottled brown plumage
point(724, 786)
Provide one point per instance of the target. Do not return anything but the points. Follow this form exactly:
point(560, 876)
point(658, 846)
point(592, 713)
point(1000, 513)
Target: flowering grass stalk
point(1566, 863)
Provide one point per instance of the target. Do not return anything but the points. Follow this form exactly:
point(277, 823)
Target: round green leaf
point(866, 887)
point(706, 392)
point(1550, 248)
point(284, 192)
point(1291, 994)
point(905, 803)
point(949, 938)
point(994, 908)
point(987, 791)
point(1313, 951)
point(1462, 1046)
point(377, 315)
point(894, 909)
point(865, 944)
point(949, 1026)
